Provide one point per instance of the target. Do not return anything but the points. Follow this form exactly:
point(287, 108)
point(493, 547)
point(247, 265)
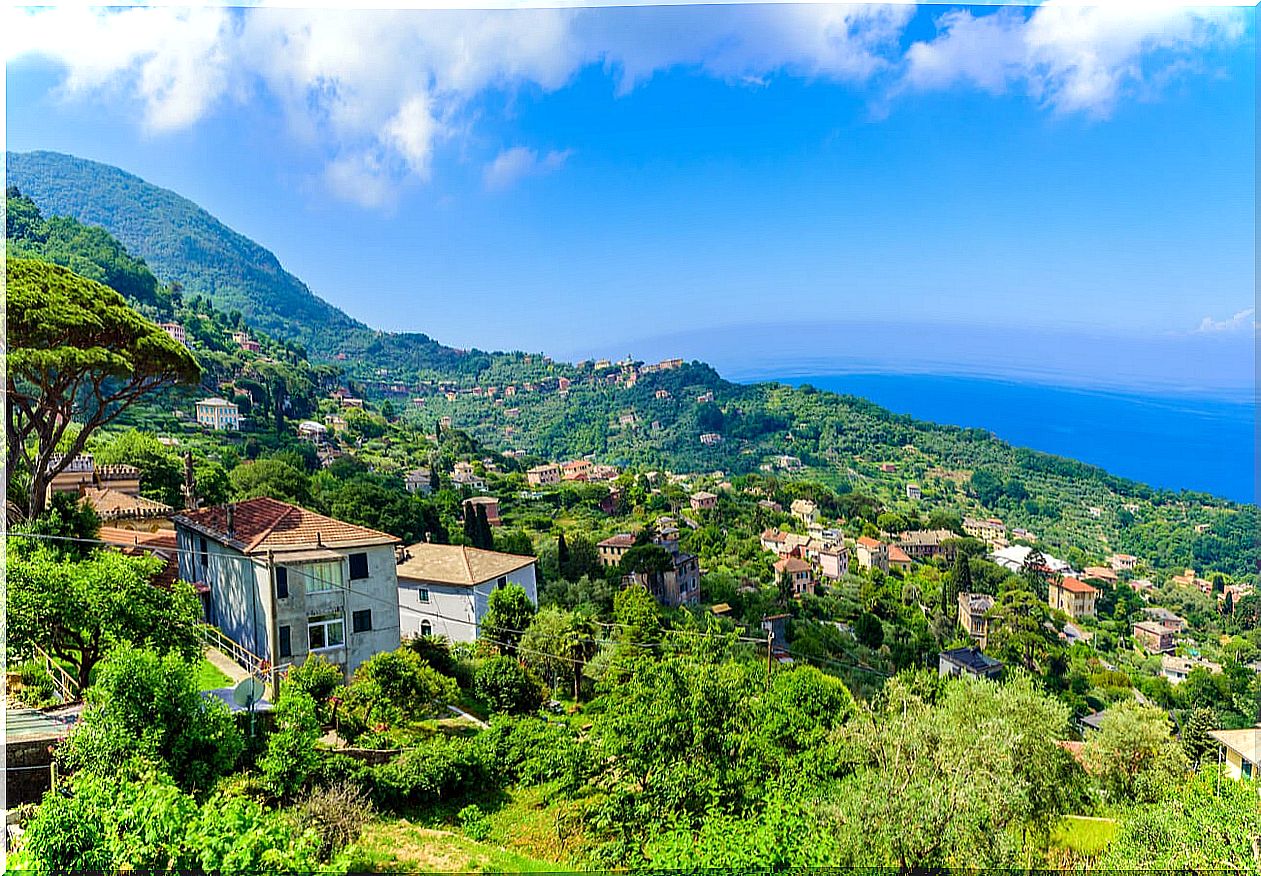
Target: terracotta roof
point(1102, 573)
point(458, 564)
point(1072, 585)
point(868, 542)
point(111, 504)
point(773, 535)
point(160, 544)
point(622, 539)
point(264, 524)
point(897, 555)
point(792, 564)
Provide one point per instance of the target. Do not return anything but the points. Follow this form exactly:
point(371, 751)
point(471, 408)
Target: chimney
point(190, 486)
point(231, 512)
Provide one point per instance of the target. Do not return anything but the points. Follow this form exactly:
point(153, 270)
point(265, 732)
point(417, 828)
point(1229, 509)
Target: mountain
point(685, 417)
point(183, 243)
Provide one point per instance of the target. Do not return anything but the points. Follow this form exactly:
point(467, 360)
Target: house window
point(326, 631)
point(282, 582)
point(422, 595)
point(361, 621)
point(203, 549)
point(502, 582)
point(426, 628)
point(286, 647)
point(323, 577)
point(358, 567)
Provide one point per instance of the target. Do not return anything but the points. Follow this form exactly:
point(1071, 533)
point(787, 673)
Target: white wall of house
point(453, 610)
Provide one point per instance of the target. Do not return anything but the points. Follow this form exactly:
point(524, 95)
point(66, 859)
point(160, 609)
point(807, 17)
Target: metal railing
point(63, 682)
point(242, 656)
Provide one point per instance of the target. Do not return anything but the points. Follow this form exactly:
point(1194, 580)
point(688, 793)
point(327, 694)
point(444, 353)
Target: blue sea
point(1177, 442)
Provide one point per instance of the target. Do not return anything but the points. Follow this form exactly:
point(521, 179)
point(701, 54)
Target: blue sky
point(617, 180)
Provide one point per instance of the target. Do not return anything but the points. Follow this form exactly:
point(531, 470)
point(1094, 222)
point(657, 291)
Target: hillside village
point(486, 605)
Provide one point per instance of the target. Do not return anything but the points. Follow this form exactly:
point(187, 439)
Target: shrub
point(291, 757)
point(149, 706)
point(338, 813)
point(473, 821)
point(394, 687)
point(440, 770)
point(507, 686)
point(534, 751)
point(319, 678)
point(37, 691)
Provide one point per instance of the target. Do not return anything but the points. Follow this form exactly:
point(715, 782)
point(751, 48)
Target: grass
point(392, 845)
point(1083, 834)
point(209, 677)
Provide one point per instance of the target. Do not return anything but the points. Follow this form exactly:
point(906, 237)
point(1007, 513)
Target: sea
point(1172, 441)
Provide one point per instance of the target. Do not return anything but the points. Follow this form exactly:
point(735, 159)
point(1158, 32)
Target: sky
point(922, 186)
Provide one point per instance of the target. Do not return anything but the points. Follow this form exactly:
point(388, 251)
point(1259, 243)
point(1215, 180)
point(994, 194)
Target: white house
point(285, 582)
point(218, 413)
point(444, 589)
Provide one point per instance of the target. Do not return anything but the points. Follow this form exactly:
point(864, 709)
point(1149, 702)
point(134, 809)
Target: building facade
point(444, 590)
point(218, 413)
point(285, 582)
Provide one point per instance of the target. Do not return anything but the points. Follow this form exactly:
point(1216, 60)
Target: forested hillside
point(184, 244)
point(622, 413)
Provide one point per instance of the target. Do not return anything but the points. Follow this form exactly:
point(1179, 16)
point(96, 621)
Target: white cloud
point(516, 163)
point(1070, 57)
point(375, 93)
point(1241, 321)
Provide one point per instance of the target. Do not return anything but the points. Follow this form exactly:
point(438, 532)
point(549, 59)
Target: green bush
point(37, 691)
point(474, 823)
point(508, 687)
point(441, 770)
point(533, 751)
point(319, 678)
point(291, 757)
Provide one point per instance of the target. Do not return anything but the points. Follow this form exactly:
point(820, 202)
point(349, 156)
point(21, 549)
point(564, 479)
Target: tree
point(79, 611)
point(77, 354)
point(161, 471)
point(562, 552)
point(291, 756)
point(974, 768)
point(148, 706)
point(559, 643)
point(270, 477)
point(1206, 824)
point(1133, 754)
point(397, 687)
point(1018, 628)
point(508, 687)
point(485, 537)
point(784, 588)
point(509, 613)
point(1196, 741)
point(869, 631)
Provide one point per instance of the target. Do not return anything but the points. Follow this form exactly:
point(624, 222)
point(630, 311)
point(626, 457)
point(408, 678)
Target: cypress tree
point(562, 555)
point(485, 536)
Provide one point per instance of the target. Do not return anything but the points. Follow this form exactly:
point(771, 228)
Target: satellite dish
point(248, 692)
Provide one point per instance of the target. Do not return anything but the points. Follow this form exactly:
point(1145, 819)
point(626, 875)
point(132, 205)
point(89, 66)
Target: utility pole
point(768, 658)
point(273, 630)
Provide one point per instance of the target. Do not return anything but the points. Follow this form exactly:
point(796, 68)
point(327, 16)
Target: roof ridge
point(272, 526)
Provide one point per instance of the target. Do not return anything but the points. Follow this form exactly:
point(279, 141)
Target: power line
point(258, 562)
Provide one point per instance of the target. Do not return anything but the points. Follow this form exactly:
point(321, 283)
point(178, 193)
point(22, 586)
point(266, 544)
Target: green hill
point(642, 418)
point(182, 243)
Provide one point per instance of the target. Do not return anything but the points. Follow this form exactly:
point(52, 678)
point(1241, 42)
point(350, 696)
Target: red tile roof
point(897, 555)
point(792, 564)
point(264, 524)
point(1072, 585)
point(868, 542)
point(622, 539)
